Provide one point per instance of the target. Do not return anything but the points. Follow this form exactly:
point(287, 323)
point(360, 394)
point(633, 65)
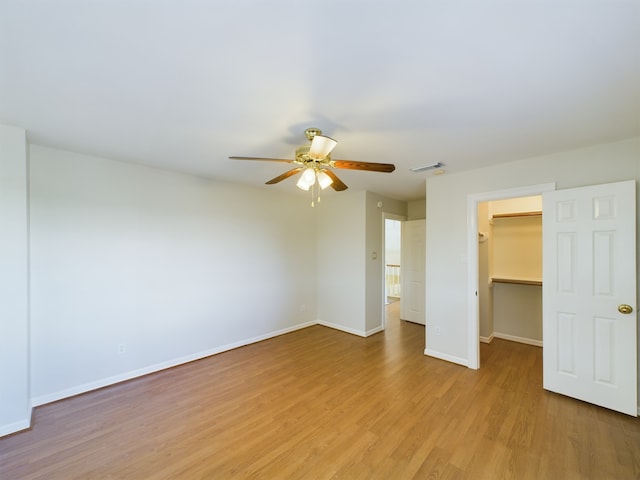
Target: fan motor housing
point(302, 156)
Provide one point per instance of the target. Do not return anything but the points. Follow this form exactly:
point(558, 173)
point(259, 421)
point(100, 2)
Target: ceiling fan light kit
point(315, 163)
point(307, 179)
point(324, 180)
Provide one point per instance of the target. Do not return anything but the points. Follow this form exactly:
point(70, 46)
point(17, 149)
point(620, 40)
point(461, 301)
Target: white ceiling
point(183, 84)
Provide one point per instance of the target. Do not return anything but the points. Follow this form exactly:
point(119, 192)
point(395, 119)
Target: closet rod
point(517, 214)
point(518, 281)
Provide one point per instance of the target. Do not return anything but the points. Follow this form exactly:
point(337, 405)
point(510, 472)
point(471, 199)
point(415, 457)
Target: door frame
point(399, 218)
point(473, 313)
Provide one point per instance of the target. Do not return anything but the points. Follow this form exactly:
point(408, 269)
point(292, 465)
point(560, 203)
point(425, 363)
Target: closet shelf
point(517, 214)
point(519, 281)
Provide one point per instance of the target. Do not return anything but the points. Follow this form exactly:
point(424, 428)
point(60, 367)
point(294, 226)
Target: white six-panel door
point(412, 271)
point(589, 282)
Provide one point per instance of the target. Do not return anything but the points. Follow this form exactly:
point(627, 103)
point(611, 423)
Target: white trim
point(473, 317)
point(513, 338)
point(105, 382)
point(16, 426)
point(342, 328)
point(447, 357)
point(373, 331)
point(486, 339)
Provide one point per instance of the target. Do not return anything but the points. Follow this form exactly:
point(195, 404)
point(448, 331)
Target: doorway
point(473, 202)
point(391, 253)
point(510, 270)
point(392, 258)
point(589, 272)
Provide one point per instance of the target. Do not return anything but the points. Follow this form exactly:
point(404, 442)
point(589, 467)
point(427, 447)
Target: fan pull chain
point(315, 190)
point(315, 195)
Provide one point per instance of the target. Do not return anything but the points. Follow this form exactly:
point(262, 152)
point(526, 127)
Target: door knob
point(624, 308)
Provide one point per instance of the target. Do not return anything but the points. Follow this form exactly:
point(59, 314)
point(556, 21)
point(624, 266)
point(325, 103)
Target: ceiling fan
point(315, 163)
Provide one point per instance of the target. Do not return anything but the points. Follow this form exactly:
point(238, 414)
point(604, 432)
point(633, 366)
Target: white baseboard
point(342, 328)
point(374, 331)
point(16, 426)
point(513, 338)
point(104, 382)
point(445, 356)
point(486, 339)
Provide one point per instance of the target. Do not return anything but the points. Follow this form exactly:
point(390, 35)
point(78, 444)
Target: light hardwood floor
point(323, 404)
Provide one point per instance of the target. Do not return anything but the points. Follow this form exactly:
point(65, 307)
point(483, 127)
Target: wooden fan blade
point(370, 166)
point(284, 176)
point(338, 185)
point(263, 159)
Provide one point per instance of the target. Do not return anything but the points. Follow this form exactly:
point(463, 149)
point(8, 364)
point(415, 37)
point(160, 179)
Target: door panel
point(412, 271)
point(566, 344)
point(588, 270)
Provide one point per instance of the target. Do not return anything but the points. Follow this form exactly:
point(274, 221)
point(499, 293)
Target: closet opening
point(473, 262)
point(510, 270)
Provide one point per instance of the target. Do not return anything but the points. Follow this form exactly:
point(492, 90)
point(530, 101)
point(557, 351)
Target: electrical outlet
point(303, 307)
point(122, 348)
point(437, 330)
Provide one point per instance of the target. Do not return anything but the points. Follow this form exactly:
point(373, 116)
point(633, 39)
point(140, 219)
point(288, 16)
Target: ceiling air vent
point(427, 167)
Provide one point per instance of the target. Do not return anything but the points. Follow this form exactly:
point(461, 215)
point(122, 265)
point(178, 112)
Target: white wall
point(171, 267)
point(350, 280)
point(516, 243)
point(416, 209)
point(15, 406)
point(340, 248)
point(517, 312)
point(447, 287)
point(135, 269)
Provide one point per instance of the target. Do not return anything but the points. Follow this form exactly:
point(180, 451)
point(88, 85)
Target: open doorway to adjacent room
point(392, 257)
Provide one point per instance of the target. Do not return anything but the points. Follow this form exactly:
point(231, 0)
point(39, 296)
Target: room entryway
point(392, 257)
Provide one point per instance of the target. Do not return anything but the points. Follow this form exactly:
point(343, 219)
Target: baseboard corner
point(342, 328)
point(445, 356)
point(18, 426)
point(486, 339)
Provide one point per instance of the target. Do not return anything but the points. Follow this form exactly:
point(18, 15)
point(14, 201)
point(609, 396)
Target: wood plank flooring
point(323, 404)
